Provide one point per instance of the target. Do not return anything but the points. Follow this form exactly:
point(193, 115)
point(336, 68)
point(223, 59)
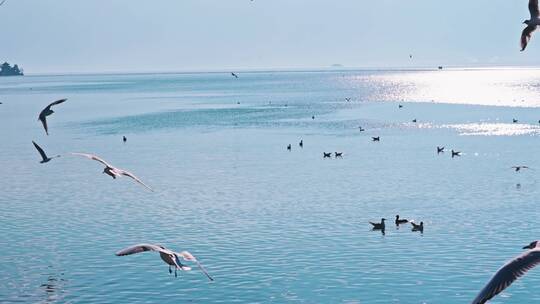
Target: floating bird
point(348, 99)
point(124, 138)
point(510, 272)
point(327, 155)
point(289, 147)
point(532, 24)
point(45, 158)
point(414, 120)
point(518, 168)
point(313, 117)
point(410, 56)
point(455, 153)
point(400, 106)
point(514, 120)
point(361, 129)
point(417, 227)
point(378, 226)
point(168, 256)
point(234, 75)
point(338, 154)
point(440, 150)
point(113, 171)
point(400, 221)
point(46, 112)
point(301, 143)
point(378, 138)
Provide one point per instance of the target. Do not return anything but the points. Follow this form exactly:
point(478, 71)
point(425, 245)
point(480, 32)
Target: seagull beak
point(527, 247)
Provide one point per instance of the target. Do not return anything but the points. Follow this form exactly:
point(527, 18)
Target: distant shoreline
point(285, 70)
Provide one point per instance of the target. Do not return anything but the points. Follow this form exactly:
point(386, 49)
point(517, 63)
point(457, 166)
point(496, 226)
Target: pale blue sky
point(47, 36)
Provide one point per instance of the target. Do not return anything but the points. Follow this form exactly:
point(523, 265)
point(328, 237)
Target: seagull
point(400, 106)
point(400, 221)
point(518, 168)
point(45, 158)
point(378, 226)
point(234, 75)
point(378, 138)
point(348, 99)
point(361, 129)
point(510, 272)
point(455, 153)
point(532, 24)
point(301, 143)
point(514, 120)
point(124, 138)
point(168, 256)
point(440, 150)
point(417, 227)
point(327, 155)
point(46, 112)
point(113, 171)
point(414, 120)
point(289, 147)
point(338, 154)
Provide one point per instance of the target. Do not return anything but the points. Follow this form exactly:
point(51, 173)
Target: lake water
point(271, 226)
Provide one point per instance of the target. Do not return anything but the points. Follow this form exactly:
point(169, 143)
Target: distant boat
point(7, 70)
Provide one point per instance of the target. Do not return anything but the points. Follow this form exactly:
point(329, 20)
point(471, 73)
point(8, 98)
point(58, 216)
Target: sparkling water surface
point(271, 226)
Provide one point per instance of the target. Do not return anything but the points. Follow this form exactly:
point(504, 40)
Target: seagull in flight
point(45, 158)
point(234, 75)
point(168, 256)
point(113, 171)
point(532, 24)
point(510, 272)
point(518, 168)
point(46, 112)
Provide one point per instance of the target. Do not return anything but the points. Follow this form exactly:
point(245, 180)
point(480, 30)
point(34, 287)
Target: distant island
point(7, 70)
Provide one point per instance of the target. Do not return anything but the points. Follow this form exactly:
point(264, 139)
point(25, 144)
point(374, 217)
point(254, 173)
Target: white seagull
point(168, 256)
point(532, 24)
point(510, 272)
point(113, 171)
point(46, 112)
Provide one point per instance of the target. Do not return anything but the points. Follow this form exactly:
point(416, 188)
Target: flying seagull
point(510, 272)
point(234, 75)
point(532, 24)
point(455, 153)
point(113, 171)
point(168, 256)
point(440, 149)
point(518, 168)
point(44, 156)
point(46, 112)
point(378, 138)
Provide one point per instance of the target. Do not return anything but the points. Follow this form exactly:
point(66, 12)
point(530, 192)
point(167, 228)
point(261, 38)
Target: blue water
point(271, 226)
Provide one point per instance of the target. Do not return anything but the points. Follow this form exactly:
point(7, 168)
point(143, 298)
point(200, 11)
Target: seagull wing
point(189, 257)
point(56, 103)
point(93, 157)
point(43, 119)
point(510, 272)
point(41, 152)
point(526, 36)
point(533, 9)
point(129, 174)
point(141, 248)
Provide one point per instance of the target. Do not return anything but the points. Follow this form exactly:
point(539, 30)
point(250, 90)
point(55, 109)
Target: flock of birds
point(505, 276)
point(170, 257)
point(381, 226)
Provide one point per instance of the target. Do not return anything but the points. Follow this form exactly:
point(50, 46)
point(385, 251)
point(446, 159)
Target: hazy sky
point(47, 36)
